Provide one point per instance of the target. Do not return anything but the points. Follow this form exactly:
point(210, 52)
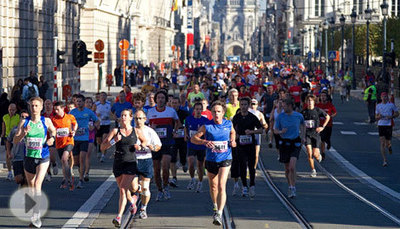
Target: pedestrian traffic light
point(80, 54)
point(59, 57)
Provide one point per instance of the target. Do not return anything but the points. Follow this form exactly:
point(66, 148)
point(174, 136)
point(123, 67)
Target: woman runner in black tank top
point(125, 166)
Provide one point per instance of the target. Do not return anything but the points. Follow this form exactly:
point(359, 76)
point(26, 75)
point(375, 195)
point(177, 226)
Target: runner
point(196, 93)
point(17, 154)
point(268, 103)
point(288, 125)
point(312, 139)
point(254, 110)
point(66, 127)
point(246, 125)
point(219, 138)
point(125, 163)
point(10, 121)
point(81, 139)
point(385, 113)
point(330, 109)
point(165, 121)
point(37, 156)
point(103, 112)
point(192, 125)
point(144, 160)
point(119, 106)
point(92, 137)
point(49, 113)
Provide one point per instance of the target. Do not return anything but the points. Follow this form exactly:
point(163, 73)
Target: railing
point(162, 22)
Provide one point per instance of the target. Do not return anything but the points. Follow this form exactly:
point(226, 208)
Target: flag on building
point(174, 5)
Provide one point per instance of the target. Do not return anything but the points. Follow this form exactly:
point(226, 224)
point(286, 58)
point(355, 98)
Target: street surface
point(351, 190)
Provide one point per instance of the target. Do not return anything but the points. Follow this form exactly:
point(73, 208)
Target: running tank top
point(124, 149)
point(219, 134)
point(35, 140)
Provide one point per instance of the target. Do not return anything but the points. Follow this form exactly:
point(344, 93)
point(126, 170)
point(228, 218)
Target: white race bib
point(192, 133)
point(62, 132)
point(245, 139)
point(34, 143)
point(161, 132)
point(80, 132)
point(309, 124)
point(220, 147)
point(180, 133)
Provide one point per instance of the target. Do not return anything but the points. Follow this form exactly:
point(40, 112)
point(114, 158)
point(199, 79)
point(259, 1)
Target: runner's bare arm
point(196, 139)
point(233, 137)
point(106, 143)
point(21, 132)
point(51, 131)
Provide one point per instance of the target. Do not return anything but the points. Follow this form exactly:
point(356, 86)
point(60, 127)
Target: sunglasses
point(254, 104)
point(140, 118)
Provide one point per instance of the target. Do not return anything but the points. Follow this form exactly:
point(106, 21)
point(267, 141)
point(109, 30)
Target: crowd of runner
point(212, 118)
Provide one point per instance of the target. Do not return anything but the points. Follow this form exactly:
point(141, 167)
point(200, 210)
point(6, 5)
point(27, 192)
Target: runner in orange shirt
point(66, 126)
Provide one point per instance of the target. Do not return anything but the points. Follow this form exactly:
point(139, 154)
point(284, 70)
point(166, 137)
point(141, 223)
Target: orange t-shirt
point(63, 128)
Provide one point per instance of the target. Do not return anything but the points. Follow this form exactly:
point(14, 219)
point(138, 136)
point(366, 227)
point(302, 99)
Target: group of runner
point(216, 122)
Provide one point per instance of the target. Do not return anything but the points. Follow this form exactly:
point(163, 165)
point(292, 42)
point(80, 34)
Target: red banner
point(190, 39)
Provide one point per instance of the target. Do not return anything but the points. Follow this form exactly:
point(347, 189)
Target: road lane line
point(373, 133)
point(361, 123)
point(337, 123)
point(360, 175)
point(348, 132)
point(84, 211)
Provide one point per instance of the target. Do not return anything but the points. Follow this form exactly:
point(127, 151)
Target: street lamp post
point(368, 16)
point(342, 21)
point(320, 44)
point(309, 59)
point(315, 46)
point(353, 16)
point(332, 22)
point(326, 27)
point(384, 7)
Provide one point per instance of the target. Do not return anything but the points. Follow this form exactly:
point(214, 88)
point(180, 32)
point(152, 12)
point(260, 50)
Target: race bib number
point(105, 118)
point(192, 133)
point(180, 133)
point(245, 139)
point(309, 124)
point(220, 146)
point(62, 132)
point(34, 143)
point(80, 132)
point(161, 132)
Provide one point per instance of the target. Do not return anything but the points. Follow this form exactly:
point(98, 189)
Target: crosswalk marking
point(361, 123)
point(373, 133)
point(337, 123)
point(348, 132)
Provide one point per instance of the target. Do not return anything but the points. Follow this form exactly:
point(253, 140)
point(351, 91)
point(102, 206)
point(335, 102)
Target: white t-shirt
point(182, 80)
point(385, 110)
point(103, 112)
point(251, 78)
point(152, 139)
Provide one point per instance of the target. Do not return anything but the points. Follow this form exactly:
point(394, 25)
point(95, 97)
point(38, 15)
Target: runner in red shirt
point(326, 105)
point(295, 92)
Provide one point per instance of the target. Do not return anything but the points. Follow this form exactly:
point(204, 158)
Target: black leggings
point(181, 146)
point(247, 159)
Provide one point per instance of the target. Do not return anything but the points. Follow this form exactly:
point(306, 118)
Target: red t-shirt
point(329, 108)
point(254, 89)
point(207, 114)
point(244, 94)
point(295, 92)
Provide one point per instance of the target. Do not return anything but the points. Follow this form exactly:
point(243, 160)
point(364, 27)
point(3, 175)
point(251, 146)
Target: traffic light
point(59, 57)
point(80, 54)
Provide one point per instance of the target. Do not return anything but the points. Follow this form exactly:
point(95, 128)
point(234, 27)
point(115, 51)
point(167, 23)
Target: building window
point(398, 8)
point(393, 8)
point(322, 8)
point(360, 7)
point(316, 7)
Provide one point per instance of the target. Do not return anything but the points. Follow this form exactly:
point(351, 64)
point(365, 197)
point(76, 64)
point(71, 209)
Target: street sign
point(332, 55)
point(173, 47)
point(233, 58)
point(123, 44)
point(99, 57)
point(124, 54)
point(99, 45)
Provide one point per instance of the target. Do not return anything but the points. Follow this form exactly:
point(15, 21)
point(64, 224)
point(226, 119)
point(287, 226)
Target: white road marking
point(361, 123)
point(337, 123)
point(373, 133)
point(84, 211)
point(360, 175)
point(348, 132)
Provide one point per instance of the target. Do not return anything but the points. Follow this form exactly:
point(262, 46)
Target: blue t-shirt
point(220, 135)
point(83, 118)
point(292, 122)
point(118, 107)
point(192, 125)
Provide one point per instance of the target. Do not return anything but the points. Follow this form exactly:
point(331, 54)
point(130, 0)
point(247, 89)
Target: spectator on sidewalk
point(370, 98)
point(29, 90)
point(43, 87)
point(118, 75)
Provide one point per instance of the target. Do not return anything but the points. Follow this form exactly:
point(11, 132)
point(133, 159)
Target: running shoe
point(313, 173)
point(117, 222)
point(71, 184)
point(133, 208)
point(199, 187)
point(292, 192)
point(160, 196)
point(320, 158)
point(102, 158)
point(167, 194)
point(63, 184)
point(36, 222)
point(48, 177)
point(252, 191)
point(236, 189)
point(390, 150)
point(270, 145)
point(172, 182)
point(191, 184)
point(245, 192)
point(10, 176)
point(143, 214)
point(86, 177)
point(80, 184)
point(217, 220)
point(55, 169)
point(385, 164)
point(184, 168)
